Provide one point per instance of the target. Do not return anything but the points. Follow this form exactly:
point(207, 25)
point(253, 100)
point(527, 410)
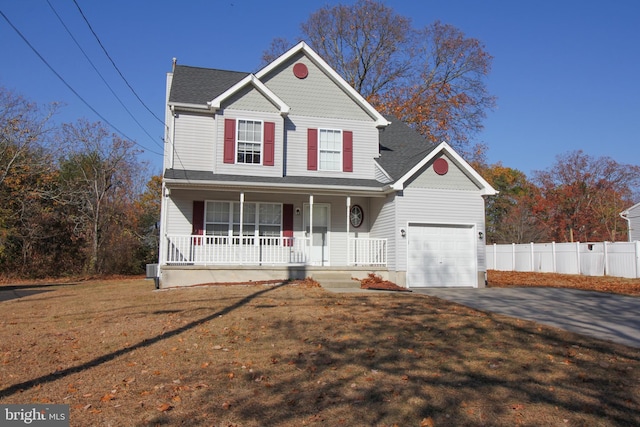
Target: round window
point(356, 215)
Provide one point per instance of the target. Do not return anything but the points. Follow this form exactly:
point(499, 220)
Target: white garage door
point(441, 256)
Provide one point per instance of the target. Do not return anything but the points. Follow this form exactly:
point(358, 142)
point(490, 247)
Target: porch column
point(348, 224)
point(310, 227)
point(241, 225)
point(162, 252)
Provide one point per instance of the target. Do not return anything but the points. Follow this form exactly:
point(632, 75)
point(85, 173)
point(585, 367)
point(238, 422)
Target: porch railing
point(203, 250)
point(210, 250)
point(365, 251)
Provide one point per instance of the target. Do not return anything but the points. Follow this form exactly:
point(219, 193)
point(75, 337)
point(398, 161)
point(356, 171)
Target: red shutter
point(197, 224)
point(287, 224)
point(229, 140)
point(312, 149)
point(347, 151)
point(269, 143)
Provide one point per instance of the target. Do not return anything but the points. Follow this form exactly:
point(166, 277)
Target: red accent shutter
point(197, 224)
point(287, 224)
point(347, 151)
point(312, 149)
point(269, 143)
point(229, 140)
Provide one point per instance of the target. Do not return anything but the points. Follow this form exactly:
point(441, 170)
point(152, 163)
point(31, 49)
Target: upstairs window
point(330, 149)
point(249, 142)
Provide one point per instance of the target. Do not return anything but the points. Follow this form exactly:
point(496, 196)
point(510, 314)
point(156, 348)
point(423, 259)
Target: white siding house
point(289, 173)
point(632, 215)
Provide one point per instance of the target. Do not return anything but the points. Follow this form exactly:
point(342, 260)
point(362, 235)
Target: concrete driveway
point(604, 316)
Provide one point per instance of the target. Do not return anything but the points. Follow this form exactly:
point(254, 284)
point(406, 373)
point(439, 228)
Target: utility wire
point(101, 76)
point(114, 64)
point(69, 86)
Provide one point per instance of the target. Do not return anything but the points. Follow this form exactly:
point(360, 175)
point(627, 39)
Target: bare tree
point(431, 78)
point(24, 127)
point(98, 171)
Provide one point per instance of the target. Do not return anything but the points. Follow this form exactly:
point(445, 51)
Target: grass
point(121, 354)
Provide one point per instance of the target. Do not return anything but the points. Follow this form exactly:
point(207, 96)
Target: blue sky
point(566, 73)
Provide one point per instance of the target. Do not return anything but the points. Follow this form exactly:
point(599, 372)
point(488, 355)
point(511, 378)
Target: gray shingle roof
point(193, 85)
point(401, 148)
point(311, 181)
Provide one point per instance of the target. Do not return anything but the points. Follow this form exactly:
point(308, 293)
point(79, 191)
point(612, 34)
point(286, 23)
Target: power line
point(101, 76)
point(114, 64)
point(69, 86)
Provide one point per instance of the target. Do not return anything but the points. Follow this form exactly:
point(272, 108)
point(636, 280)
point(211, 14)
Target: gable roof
point(333, 75)
point(401, 148)
point(631, 211)
point(404, 152)
point(257, 84)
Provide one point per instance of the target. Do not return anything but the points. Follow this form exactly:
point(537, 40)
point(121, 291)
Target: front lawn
point(121, 354)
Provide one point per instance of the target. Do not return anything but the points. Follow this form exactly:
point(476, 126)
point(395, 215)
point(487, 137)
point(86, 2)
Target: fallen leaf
point(165, 407)
point(426, 422)
point(107, 397)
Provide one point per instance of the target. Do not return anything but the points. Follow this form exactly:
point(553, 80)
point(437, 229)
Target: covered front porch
point(241, 235)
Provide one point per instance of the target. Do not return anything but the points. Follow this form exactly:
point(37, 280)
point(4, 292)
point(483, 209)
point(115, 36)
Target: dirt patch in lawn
point(618, 285)
point(120, 353)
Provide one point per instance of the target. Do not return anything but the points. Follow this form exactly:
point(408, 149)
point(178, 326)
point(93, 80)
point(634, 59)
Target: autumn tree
point(99, 176)
point(33, 240)
point(148, 211)
point(584, 196)
point(431, 78)
point(513, 215)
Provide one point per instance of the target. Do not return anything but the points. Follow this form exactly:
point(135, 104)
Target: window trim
point(340, 151)
point(238, 141)
point(255, 233)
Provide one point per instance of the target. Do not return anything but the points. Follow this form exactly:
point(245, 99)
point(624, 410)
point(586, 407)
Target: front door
point(319, 241)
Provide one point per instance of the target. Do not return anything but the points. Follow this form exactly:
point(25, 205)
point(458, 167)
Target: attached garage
point(441, 256)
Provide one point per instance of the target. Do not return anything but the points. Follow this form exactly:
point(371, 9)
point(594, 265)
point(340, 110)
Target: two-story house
point(290, 173)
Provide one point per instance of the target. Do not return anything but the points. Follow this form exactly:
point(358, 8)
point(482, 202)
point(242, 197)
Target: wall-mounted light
point(480, 235)
point(297, 211)
point(403, 233)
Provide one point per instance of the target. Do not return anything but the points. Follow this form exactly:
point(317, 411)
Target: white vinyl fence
point(618, 259)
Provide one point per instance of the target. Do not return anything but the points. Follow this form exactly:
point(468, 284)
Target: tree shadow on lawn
point(10, 292)
point(407, 359)
point(123, 351)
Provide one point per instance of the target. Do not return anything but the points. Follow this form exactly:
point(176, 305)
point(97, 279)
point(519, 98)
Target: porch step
point(335, 279)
